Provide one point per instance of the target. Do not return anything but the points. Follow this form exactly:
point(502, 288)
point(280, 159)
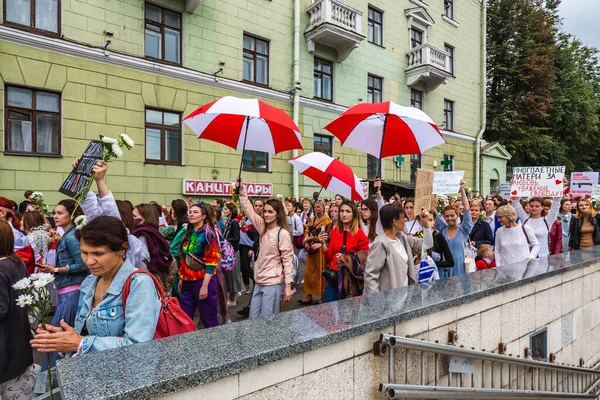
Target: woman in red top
point(356, 240)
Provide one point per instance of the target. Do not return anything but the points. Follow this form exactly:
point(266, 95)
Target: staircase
point(439, 371)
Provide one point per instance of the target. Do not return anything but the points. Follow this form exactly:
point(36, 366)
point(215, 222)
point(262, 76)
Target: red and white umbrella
point(331, 174)
point(245, 124)
point(386, 129)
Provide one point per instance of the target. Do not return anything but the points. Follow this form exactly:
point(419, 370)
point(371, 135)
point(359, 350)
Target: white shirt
point(540, 226)
point(512, 247)
point(490, 220)
point(296, 224)
point(412, 227)
point(399, 248)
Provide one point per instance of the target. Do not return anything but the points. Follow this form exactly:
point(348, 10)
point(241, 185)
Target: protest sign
point(80, 176)
point(582, 183)
point(505, 190)
point(423, 190)
point(365, 186)
point(447, 182)
point(537, 181)
point(596, 191)
point(223, 188)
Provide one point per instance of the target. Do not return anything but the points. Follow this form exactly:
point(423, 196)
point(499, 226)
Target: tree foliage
point(543, 87)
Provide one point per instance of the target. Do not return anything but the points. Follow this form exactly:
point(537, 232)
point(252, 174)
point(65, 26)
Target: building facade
point(72, 70)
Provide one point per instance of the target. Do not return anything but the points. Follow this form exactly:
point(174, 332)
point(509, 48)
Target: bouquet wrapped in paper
point(40, 239)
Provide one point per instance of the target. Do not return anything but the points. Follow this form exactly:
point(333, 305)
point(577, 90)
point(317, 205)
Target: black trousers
point(247, 272)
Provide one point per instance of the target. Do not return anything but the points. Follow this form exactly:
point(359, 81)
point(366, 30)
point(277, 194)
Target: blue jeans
point(444, 272)
point(66, 310)
point(331, 293)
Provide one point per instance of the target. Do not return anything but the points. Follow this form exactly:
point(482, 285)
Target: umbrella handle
point(237, 189)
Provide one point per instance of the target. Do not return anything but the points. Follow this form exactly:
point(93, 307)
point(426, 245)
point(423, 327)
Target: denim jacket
point(107, 326)
point(68, 256)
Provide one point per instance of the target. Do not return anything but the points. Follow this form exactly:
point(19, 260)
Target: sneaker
point(231, 303)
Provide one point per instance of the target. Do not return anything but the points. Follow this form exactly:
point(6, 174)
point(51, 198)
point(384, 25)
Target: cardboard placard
point(423, 190)
point(596, 191)
point(505, 190)
point(447, 182)
point(80, 176)
point(582, 183)
point(537, 181)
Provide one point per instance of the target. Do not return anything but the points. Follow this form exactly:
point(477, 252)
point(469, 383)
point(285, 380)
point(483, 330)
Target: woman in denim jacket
point(70, 270)
point(101, 323)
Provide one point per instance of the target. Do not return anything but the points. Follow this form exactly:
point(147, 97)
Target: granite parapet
point(156, 368)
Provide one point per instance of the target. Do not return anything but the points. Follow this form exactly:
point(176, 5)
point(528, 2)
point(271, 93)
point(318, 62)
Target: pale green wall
point(101, 99)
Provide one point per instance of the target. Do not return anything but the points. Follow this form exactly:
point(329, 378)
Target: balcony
point(334, 24)
point(427, 65)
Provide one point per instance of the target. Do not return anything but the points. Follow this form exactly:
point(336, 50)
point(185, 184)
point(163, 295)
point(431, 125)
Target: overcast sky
point(580, 19)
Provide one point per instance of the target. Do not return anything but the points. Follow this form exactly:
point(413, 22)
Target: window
point(539, 345)
point(374, 89)
point(416, 99)
point(42, 16)
point(416, 38)
point(375, 26)
point(415, 163)
point(448, 115)
point(255, 161)
point(163, 34)
point(449, 49)
point(449, 8)
point(372, 167)
point(448, 162)
point(323, 83)
point(256, 60)
point(163, 137)
point(324, 144)
point(32, 121)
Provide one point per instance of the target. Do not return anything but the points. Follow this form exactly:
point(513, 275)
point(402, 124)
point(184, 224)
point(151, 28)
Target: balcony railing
point(426, 54)
point(334, 12)
point(429, 65)
point(334, 24)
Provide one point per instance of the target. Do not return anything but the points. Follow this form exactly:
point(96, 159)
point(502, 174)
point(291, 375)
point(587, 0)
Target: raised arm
point(463, 196)
point(554, 210)
point(257, 221)
point(516, 203)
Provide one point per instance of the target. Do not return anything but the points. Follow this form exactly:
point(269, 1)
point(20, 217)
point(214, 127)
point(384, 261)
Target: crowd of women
point(214, 251)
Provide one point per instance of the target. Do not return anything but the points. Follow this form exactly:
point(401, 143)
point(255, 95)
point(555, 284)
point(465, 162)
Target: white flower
point(109, 140)
point(37, 285)
point(117, 150)
point(22, 284)
point(24, 300)
point(43, 277)
point(80, 222)
point(127, 140)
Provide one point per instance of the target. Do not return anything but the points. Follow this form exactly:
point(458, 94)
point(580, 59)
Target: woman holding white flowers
point(70, 270)
point(17, 375)
point(102, 322)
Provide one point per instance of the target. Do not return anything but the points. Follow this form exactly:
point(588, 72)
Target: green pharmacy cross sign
point(447, 163)
point(399, 160)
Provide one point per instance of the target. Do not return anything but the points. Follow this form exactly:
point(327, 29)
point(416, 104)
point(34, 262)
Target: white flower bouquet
point(37, 198)
point(41, 238)
point(37, 298)
point(113, 148)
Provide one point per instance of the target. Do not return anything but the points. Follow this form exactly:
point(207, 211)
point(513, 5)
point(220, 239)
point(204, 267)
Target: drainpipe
point(483, 97)
point(296, 86)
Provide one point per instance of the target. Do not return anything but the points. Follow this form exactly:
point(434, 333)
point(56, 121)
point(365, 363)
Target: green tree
point(521, 79)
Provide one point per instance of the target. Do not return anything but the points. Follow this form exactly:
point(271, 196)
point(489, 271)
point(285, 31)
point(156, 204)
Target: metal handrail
point(413, 344)
point(430, 392)
point(559, 381)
